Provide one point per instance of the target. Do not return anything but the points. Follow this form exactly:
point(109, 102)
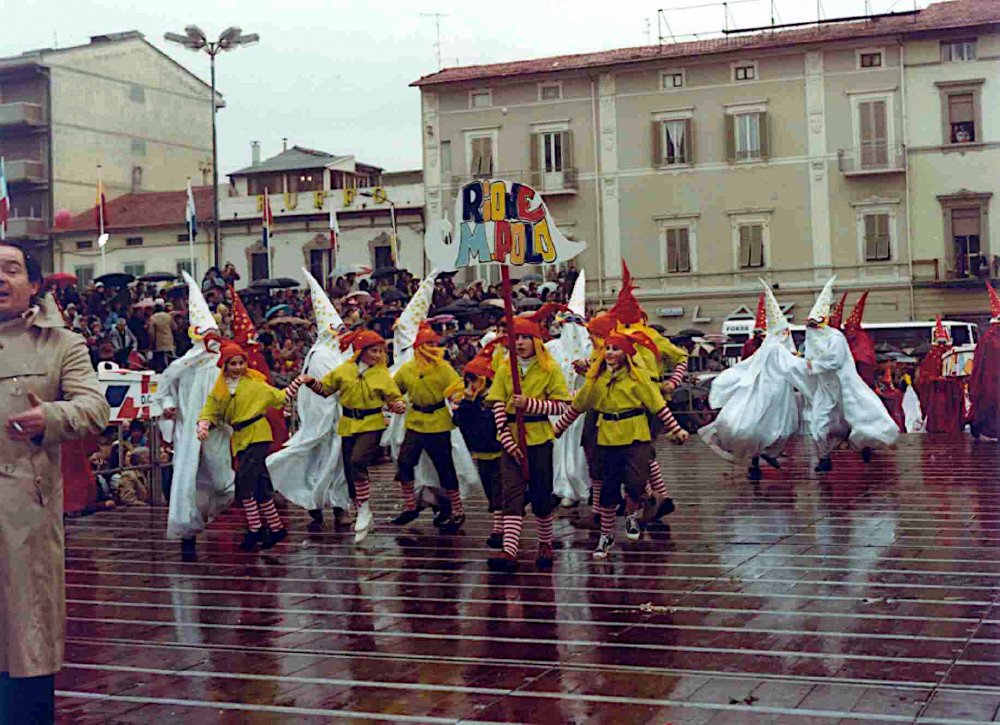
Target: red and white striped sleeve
point(680, 370)
point(537, 406)
point(504, 434)
point(673, 427)
point(566, 420)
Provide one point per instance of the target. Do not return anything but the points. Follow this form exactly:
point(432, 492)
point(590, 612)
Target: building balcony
point(27, 228)
point(20, 113)
point(872, 159)
point(25, 171)
point(548, 183)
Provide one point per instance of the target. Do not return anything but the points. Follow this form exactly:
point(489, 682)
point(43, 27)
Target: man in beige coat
point(48, 394)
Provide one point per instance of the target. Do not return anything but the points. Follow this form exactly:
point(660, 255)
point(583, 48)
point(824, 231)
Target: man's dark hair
point(30, 263)
point(158, 308)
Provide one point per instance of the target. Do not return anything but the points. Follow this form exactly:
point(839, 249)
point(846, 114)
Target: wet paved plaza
point(867, 596)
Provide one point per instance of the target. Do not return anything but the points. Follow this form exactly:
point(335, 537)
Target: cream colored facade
point(831, 191)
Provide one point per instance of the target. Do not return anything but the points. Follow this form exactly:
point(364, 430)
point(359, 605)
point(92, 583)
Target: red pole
point(515, 371)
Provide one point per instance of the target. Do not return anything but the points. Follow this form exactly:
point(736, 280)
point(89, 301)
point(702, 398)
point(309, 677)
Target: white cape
point(308, 471)
point(202, 483)
point(759, 407)
point(841, 405)
point(570, 479)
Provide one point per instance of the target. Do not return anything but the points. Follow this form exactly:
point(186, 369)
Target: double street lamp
point(194, 38)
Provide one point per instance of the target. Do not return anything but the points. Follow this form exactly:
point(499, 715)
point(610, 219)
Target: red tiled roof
point(146, 209)
point(939, 16)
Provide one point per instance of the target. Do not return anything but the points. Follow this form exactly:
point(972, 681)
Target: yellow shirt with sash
point(369, 389)
point(251, 398)
point(618, 391)
point(535, 383)
point(426, 388)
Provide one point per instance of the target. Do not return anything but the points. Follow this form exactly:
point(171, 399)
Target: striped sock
point(456, 503)
point(497, 522)
point(252, 514)
point(607, 520)
point(545, 535)
point(409, 497)
point(656, 479)
point(512, 534)
point(271, 516)
point(595, 487)
point(362, 491)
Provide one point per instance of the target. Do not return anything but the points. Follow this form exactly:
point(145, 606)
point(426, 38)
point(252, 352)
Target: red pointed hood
point(760, 321)
point(994, 304)
point(627, 309)
point(858, 313)
point(837, 313)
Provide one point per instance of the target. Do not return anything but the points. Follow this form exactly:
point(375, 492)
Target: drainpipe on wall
point(906, 174)
point(597, 195)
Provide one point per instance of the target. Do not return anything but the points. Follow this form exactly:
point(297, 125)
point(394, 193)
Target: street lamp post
point(231, 38)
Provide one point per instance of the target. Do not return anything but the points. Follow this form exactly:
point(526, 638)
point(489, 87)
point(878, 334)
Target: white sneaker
point(363, 524)
point(568, 503)
point(632, 530)
point(604, 546)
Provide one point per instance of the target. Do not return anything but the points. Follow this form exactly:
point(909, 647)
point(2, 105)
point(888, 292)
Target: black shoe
point(188, 551)
point(866, 455)
point(405, 517)
point(341, 518)
point(754, 473)
point(443, 515)
point(772, 461)
point(271, 538)
point(666, 507)
point(250, 540)
point(495, 541)
point(502, 562)
point(824, 465)
point(317, 516)
point(453, 524)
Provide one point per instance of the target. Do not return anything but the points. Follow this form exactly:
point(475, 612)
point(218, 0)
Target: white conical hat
point(821, 310)
point(199, 315)
point(415, 312)
point(327, 318)
point(776, 319)
point(578, 300)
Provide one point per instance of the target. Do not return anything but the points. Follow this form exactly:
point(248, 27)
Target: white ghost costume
point(841, 405)
point(759, 408)
point(309, 471)
point(570, 479)
point(427, 484)
point(202, 483)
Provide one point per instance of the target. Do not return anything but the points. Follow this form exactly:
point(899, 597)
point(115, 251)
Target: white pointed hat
point(327, 318)
point(578, 300)
point(199, 315)
point(776, 319)
point(415, 312)
point(821, 310)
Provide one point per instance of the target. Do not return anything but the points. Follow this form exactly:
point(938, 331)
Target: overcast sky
point(334, 75)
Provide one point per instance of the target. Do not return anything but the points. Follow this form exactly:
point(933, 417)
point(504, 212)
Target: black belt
point(359, 413)
point(534, 418)
point(427, 408)
point(246, 423)
point(624, 415)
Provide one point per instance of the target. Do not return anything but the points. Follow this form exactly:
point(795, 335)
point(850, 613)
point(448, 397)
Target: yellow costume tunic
point(426, 388)
point(252, 398)
point(618, 391)
point(369, 390)
point(536, 382)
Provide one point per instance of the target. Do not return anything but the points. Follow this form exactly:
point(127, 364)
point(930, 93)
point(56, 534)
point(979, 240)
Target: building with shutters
point(118, 102)
point(861, 149)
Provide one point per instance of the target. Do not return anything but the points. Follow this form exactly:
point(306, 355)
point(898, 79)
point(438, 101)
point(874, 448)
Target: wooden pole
point(515, 371)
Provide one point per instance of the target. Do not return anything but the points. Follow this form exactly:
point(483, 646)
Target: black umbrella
point(275, 283)
point(457, 309)
point(921, 349)
point(691, 332)
point(527, 303)
point(531, 278)
point(158, 277)
point(115, 279)
point(384, 272)
point(393, 295)
point(253, 292)
point(178, 290)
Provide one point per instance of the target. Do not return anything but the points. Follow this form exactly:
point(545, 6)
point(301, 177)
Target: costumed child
point(984, 383)
point(474, 418)
point(543, 393)
point(425, 381)
point(622, 393)
point(365, 387)
point(942, 396)
point(240, 399)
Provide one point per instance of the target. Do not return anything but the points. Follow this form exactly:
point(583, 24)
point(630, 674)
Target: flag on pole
point(267, 220)
point(4, 200)
point(100, 205)
point(190, 215)
point(334, 230)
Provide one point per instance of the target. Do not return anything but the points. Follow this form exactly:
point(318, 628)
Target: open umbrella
point(527, 303)
point(384, 272)
point(276, 309)
point(393, 295)
point(115, 279)
point(342, 269)
point(288, 321)
point(691, 332)
point(275, 283)
point(921, 349)
point(61, 279)
point(144, 304)
point(158, 277)
point(361, 296)
point(457, 310)
point(243, 293)
point(531, 278)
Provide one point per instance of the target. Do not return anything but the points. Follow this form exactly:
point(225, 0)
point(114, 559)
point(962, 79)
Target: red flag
point(267, 220)
point(100, 206)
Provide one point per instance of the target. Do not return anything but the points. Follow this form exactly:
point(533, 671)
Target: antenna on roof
point(437, 29)
point(661, 23)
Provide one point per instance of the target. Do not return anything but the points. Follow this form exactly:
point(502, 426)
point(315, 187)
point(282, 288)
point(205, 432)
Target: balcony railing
point(547, 182)
point(874, 158)
point(26, 228)
point(24, 171)
point(20, 114)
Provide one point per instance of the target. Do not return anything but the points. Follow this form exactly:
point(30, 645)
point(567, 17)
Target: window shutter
point(657, 145)
point(744, 246)
point(965, 222)
point(567, 149)
point(535, 162)
point(757, 250)
point(730, 125)
point(960, 108)
point(683, 251)
point(689, 142)
point(765, 145)
point(671, 250)
point(871, 231)
point(884, 238)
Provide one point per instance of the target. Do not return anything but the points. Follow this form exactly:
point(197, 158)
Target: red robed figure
point(984, 383)
point(941, 398)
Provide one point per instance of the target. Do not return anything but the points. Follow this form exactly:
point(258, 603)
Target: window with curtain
point(966, 231)
point(678, 250)
point(746, 129)
point(676, 135)
point(878, 242)
point(962, 117)
point(258, 266)
point(956, 51)
point(184, 265)
point(481, 158)
point(751, 246)
point(136, 269)
point(84, 275)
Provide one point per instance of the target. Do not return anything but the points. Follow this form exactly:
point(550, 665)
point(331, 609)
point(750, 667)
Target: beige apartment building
point(866, 149)
point(117, 102)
